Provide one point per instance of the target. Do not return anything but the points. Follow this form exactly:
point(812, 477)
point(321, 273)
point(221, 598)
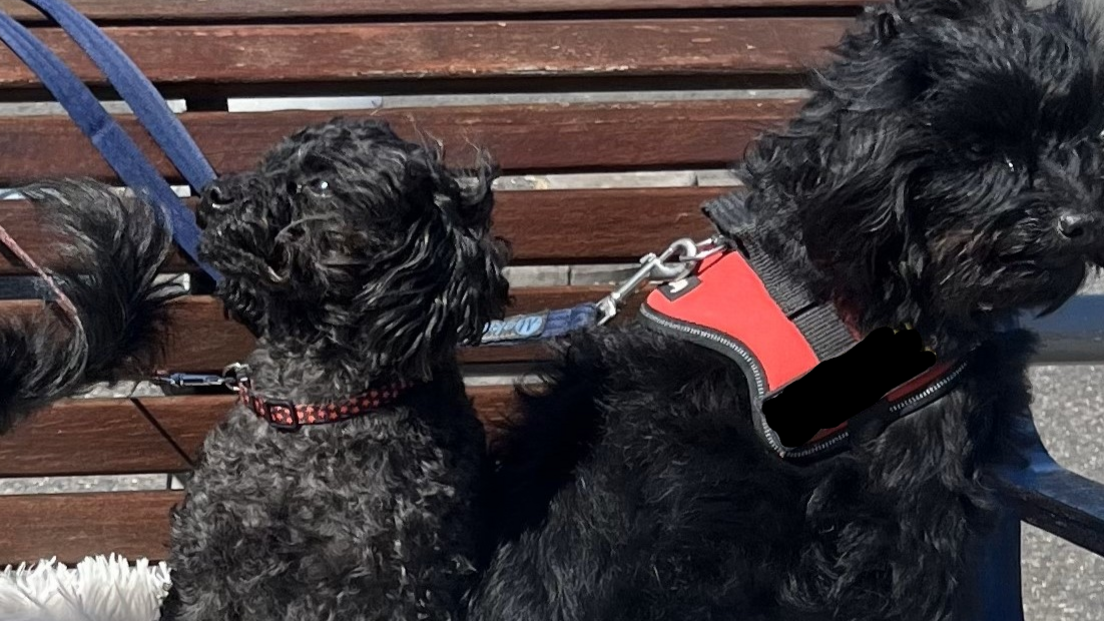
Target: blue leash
point(127, 160)
point(539, 326)
point(515, 330)
point(116, 147)
point(136, 89)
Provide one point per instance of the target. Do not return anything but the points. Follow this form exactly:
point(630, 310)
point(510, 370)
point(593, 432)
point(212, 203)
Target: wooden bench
point(635, 53)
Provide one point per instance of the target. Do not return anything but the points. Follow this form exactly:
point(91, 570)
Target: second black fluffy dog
point(361, 262)
point(948, 174)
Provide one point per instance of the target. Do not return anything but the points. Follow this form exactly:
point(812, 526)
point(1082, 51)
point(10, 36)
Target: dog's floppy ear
point(441, 282)
point(477, 287)
point(857, 228)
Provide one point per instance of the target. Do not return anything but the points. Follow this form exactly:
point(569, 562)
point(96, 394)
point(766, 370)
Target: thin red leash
point(62, 300)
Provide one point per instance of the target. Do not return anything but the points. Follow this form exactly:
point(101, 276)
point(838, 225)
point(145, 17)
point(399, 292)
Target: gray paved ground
point(1062, 582)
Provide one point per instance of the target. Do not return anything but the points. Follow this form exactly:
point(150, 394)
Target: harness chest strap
point(746, 306)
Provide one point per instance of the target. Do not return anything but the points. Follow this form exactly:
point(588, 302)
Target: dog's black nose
point(1078, 227)
point(216, 198)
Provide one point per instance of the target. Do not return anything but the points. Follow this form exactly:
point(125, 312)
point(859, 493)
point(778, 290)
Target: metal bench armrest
point(1046, 495)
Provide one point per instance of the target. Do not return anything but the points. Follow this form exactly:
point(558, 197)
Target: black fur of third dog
point(110, 247)
point(947, 174)
point(357, 258)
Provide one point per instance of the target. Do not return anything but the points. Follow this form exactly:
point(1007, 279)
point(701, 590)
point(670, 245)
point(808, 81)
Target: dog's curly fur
point(947, 173)
point(111, 246)
point(357, 258)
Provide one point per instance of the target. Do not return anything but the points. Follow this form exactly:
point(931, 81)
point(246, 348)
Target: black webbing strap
point(822, 327)
point(818, 321)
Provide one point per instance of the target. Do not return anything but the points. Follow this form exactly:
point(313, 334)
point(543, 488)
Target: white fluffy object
point(97, 589)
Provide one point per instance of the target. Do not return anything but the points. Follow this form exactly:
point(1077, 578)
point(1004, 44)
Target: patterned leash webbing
point(62, 300)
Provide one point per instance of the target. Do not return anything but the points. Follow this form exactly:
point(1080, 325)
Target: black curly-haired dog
point(111, 310)
point(947, 173)
point(360, 262)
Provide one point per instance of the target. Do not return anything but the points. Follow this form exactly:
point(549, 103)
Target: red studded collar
point(289, 416)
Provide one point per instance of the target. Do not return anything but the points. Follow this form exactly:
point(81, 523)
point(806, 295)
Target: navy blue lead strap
point(514, 330)
point(117, 148)
point(539, 326)
point(136, 89)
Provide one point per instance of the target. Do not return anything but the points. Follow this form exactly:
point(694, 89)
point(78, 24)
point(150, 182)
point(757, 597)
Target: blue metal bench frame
point(1032, 486)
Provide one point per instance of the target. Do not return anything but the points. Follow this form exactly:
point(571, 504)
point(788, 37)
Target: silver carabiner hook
point(684, 250)
point(675, 263)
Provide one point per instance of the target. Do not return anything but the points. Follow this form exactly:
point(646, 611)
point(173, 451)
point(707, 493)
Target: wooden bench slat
point(135, 524)
point(72, 526)
point(230, 10)
point(339, 53)
point(188, 419)
point(522, 138)
point(543, 226)
point(112, 436)
point(203, 340)
point(87, 437)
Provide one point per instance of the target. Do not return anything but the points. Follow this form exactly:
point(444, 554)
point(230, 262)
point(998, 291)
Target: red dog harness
point(743, 304)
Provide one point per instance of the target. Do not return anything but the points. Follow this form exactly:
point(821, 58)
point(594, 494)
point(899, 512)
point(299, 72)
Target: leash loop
point(678, 261)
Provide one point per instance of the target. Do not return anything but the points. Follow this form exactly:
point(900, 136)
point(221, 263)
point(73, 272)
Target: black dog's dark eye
point(321, 187)
point(318, 187)
point(980, 150)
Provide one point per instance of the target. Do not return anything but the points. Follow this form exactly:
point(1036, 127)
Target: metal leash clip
point(678, 261)
point(231, 377)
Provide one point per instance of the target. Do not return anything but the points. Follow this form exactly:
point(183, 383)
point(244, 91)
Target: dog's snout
point(216, 198)
point(216, 195)
point(1079, 227)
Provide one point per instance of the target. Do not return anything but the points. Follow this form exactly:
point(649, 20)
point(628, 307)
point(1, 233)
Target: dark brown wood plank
point(620, 225)
point(583, 226)
point(135, 524)
point(203, 340)
point(188, 419)
point(233, 10)
point(360, 53)
point(72, 526)
point(112, 436)
point(522, 138)
point(92, 437)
